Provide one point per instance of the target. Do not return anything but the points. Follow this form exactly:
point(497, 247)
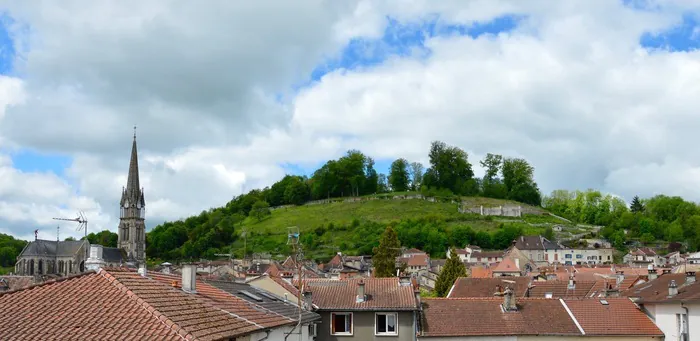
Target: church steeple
point(132, 229)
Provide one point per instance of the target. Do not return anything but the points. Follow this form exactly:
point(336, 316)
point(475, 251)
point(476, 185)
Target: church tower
point(132, 229)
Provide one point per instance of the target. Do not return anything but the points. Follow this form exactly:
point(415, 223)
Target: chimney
point(308, 300)
point(665, 271)
point(404, 281)
point(572, 283)
point(652, 274)
point(361, 297)
point(517, 263)
point(189, 278)
point(689, 277)
point(509, 300)
point(142, 270)
point(672, 289)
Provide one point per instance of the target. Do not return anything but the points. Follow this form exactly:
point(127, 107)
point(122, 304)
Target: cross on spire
point(134, 132)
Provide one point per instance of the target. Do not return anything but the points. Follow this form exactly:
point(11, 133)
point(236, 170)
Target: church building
point(61, 258)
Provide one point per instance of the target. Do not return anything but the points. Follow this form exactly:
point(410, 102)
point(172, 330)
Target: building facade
point(132, 214)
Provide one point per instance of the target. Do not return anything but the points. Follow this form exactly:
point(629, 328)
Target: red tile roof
point(486, 287)
point(480, 272)
point(657, 290)
point(506, 265)
point(118, 304)
point(560, 289)
point(227, 302)
point(382, 293)
point(619, 316)
point(484, 317)
point(535, 316)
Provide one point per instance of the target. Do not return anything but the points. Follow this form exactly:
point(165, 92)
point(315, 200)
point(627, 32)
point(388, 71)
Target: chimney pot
point(142, 270)
point(189, 278)
point(689, 277)
point(308, 301)
point(361, 297)
point(509, 303)
point(672, 288)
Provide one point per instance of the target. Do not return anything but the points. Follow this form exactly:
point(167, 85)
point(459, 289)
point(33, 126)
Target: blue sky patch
point(31, 161)
point(683, 37)
point(405, 39)
point(7, 49)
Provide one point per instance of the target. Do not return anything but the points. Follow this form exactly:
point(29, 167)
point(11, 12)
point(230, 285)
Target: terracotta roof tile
point(657, 290)
point(484, 316)
point(560, 289)
point(84, 307)
point(382, 293)
point(486, 287)
point(506, 265)
point(223, 300)
point(480, 272)
point(611, 316)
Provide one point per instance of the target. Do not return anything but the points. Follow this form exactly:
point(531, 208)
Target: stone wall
point(464, 207)
point(502, 211)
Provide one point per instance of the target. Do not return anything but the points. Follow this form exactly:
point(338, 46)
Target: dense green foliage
point(104, 238)
point(453, 269)
point(660, 218)
point(384, 258)
point(9, 250)
point(449, 176)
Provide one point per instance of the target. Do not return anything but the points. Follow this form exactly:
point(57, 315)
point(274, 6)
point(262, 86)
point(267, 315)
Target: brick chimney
point(672, 289)
point(361, 297)
point(689, 277)
point(189, 278)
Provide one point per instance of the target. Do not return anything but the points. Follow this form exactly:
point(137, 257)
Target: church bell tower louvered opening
point(132, 208)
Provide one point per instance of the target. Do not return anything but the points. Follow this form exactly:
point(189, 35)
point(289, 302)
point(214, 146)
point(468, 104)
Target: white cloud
point(570, 90)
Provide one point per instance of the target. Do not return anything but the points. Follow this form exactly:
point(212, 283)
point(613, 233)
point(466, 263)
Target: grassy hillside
point(354, 227)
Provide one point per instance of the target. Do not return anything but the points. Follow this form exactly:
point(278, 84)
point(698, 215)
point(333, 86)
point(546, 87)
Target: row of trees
point(660, 217)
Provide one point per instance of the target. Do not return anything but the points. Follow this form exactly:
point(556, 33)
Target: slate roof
point(485, 317)
point(267, 300)
point(113, 255)
point(535, 316)
point(535, 243)
point(382, 293)
point(42, 247)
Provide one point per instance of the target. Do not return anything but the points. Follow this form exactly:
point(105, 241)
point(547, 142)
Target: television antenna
point(80, 219)
point(293, 235)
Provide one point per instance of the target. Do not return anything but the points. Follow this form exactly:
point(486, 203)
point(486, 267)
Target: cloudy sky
point(231, 95)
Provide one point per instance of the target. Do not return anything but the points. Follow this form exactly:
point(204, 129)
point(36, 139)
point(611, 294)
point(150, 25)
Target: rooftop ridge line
point(572, 316)
point(147, 307)
point(51, 281)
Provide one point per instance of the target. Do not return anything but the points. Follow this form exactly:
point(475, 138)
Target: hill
point(353, 225)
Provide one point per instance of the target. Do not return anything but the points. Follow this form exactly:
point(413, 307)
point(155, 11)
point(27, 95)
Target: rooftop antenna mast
point(298, 255)
point(81, 220)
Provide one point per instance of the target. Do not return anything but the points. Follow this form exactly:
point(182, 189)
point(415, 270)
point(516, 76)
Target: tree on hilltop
point(384, 258)
point(399, 176)
point(636, 206)
point(453, 269)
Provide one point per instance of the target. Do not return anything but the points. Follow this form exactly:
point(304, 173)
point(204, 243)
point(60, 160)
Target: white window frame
point(352, 322)
point(313, 330)
point(396, 319)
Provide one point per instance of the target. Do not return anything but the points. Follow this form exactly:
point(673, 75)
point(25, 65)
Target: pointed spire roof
point(133, 192)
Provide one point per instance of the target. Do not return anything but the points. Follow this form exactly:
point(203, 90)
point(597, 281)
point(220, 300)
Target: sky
point(231, 96)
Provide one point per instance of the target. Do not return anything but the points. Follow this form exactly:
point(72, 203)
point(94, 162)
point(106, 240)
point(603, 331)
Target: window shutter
point(332, 323)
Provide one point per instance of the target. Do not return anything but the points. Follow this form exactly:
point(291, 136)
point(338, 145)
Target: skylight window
point(268, 296)
point(251, 295)
point(604, 302)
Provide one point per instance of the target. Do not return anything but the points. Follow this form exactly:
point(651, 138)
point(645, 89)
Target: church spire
point(132, 184)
